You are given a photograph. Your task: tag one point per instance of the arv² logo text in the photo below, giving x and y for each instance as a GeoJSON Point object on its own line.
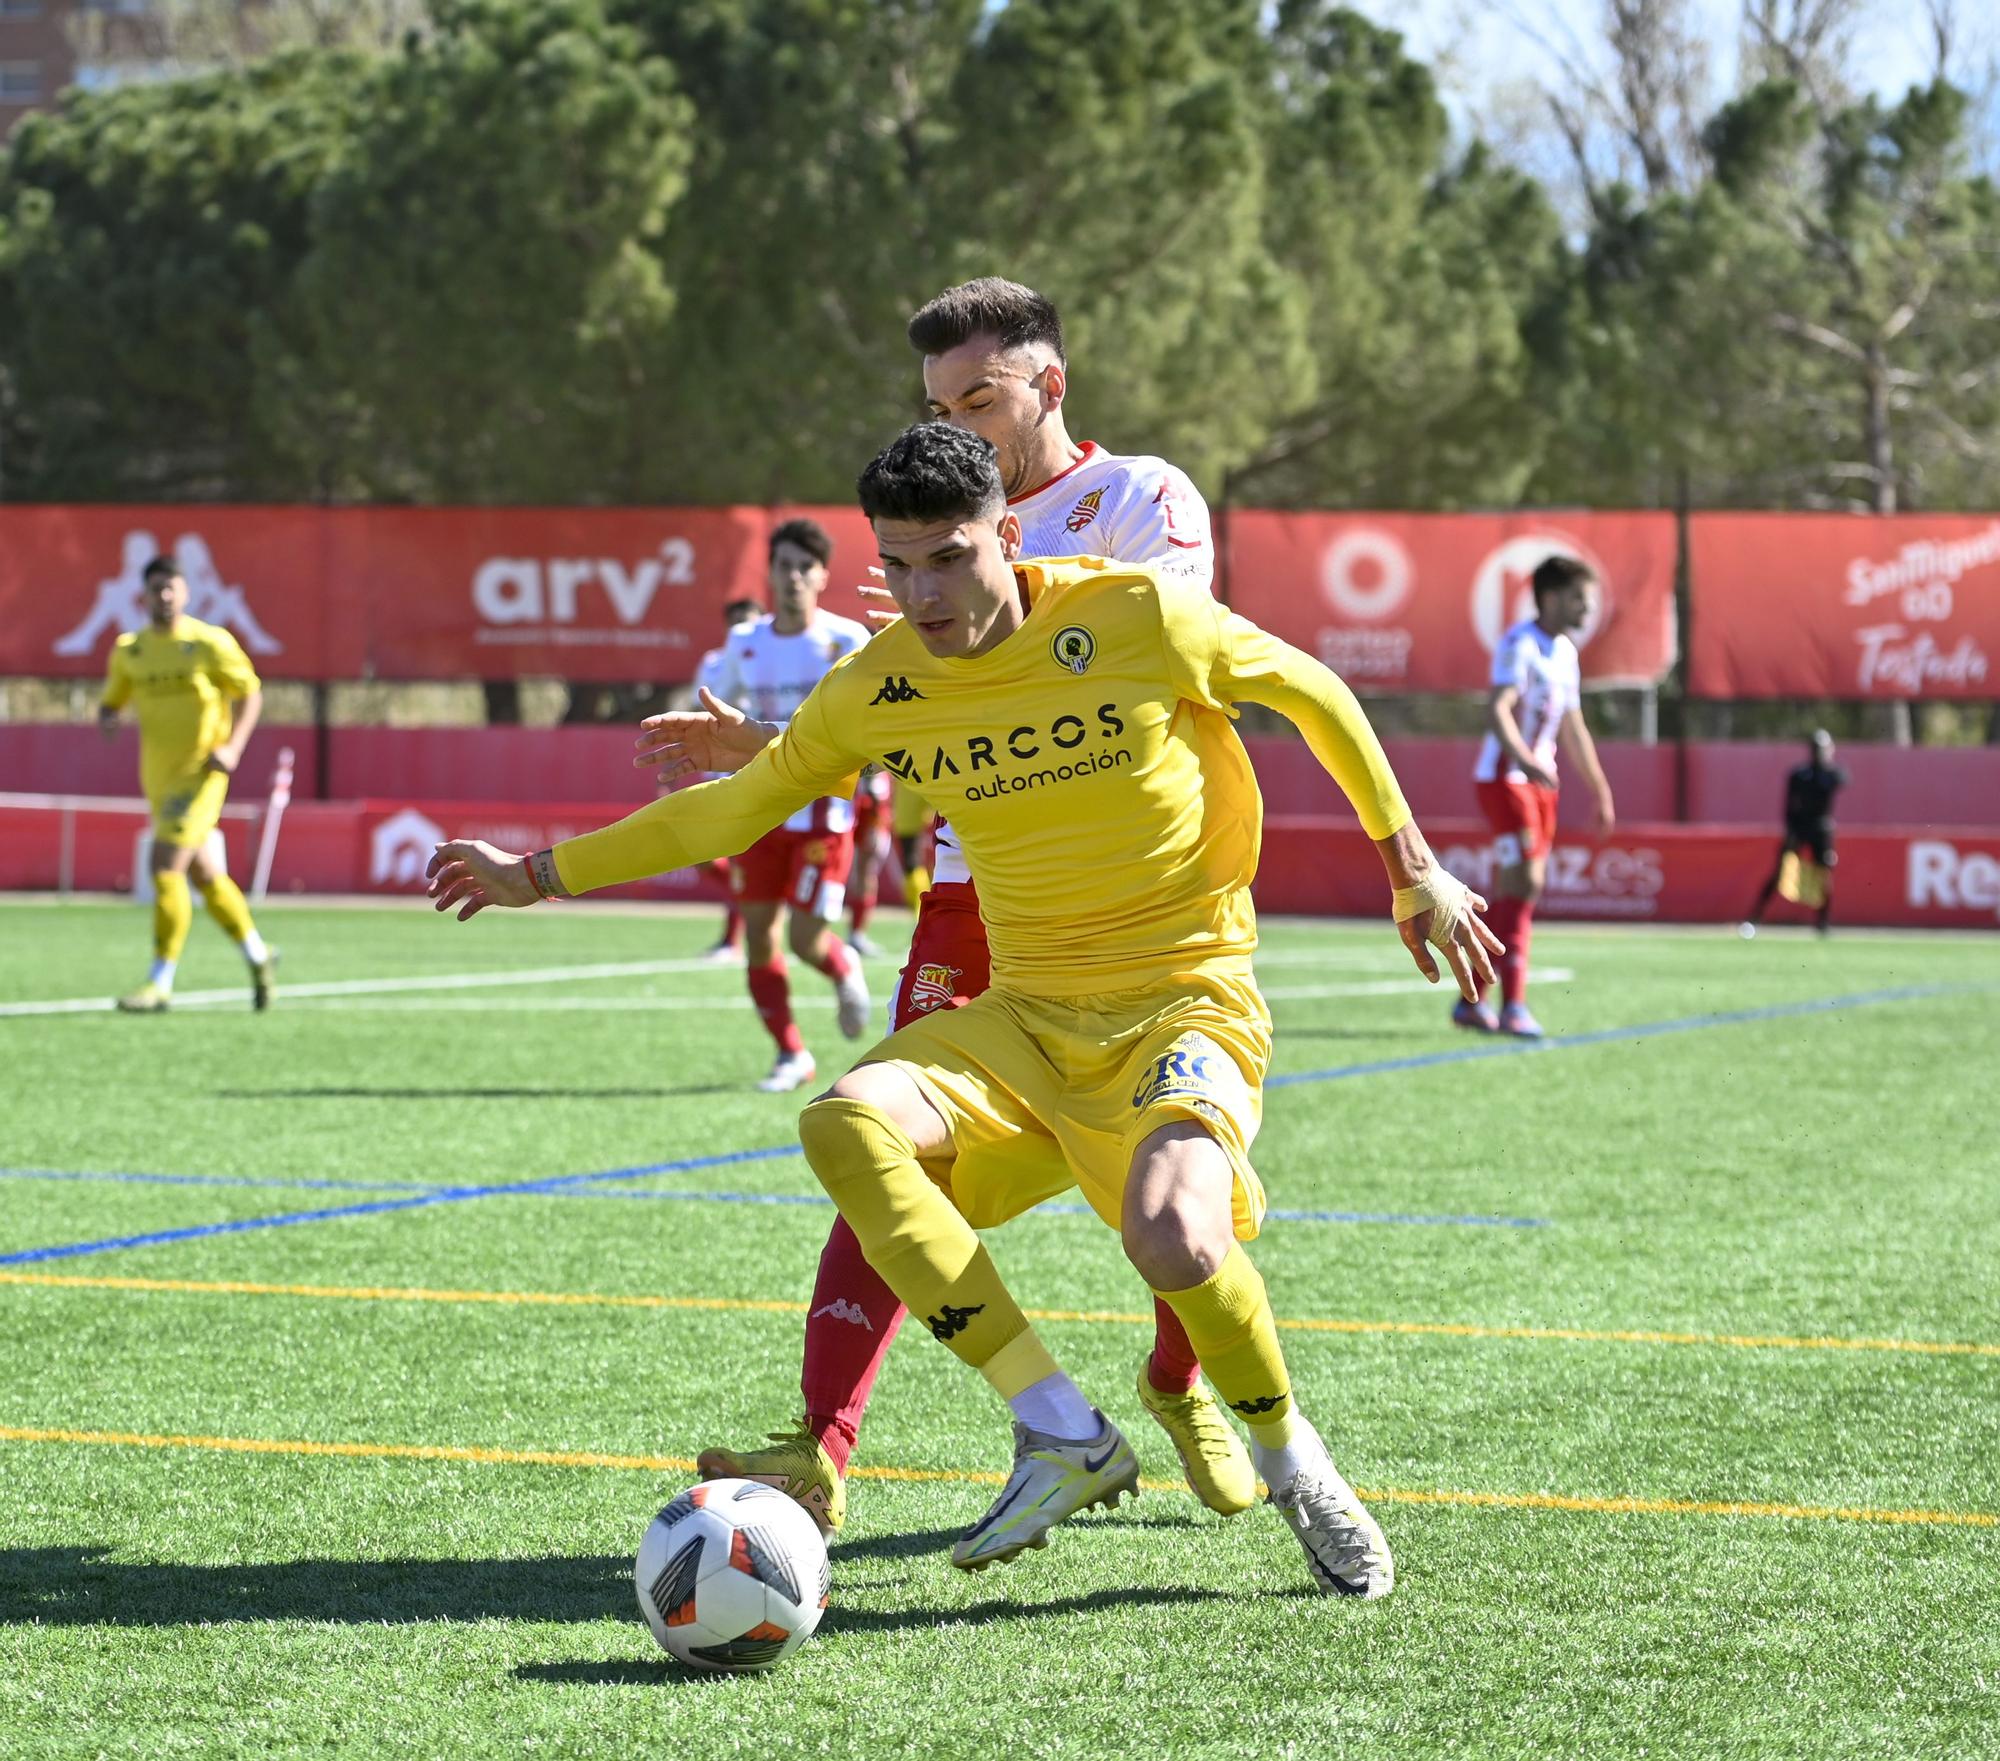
{"type": "Point", "coordinates": [532, 590]}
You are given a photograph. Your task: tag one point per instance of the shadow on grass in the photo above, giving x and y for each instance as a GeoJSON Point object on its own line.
{"type": "Point", "coordinates": [472, 1094]}
{"type": "Point", "coordinates": [84, 1586]}
{"type": "Point", "coordinates": [80, 1586]}
{"type": "Point", "coordinates": [840, 1619]}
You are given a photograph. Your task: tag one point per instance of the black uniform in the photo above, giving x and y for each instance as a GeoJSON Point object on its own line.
{"type": "Point", "coordinates": [1809, 793]}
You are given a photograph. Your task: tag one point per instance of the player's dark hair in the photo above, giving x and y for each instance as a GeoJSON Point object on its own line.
{"type": "Point", "coordinates": [160, 568]}
{"type": "Point", "coordinates": [1553, 573]}
{"type": "Point", "coordinates": [930, 473]}
{"type": "Point", "coordinates": [736, 610]}
{"type": "Point", "coordinates": [809, 535]}
{"type": "Point", "coordinates": [1005, 310]}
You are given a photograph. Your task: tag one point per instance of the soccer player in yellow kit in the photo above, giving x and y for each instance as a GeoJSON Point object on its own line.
{"type": "Point", "coordinates": [197, 698]}
{"type": "Point", "coordinates": [1075, 719]}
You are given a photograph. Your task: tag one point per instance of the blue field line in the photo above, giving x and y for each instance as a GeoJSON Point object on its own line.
{"type": "Point", "coordinates": [564, 1187]}
{"type": "Point", "coordinates": [561, 1184]}
{"type": "Point", "coordinates": [441, 1195]}
{"type": "Point", "coordinates": [1556, 1042]}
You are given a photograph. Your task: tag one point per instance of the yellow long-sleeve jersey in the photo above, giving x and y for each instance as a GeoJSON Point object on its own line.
{"type": "Point", "coordinates": [1088, 764]}
{"type": "Point", "coordinates": [181, 682]}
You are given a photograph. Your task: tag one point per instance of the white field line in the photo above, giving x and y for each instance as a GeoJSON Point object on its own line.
{"type": "Point", "coordinates": [811, 998]}
{"type": "Point", "coordinates": [331, 990]}
{"type": "Point", "coordinates": [365, 987]}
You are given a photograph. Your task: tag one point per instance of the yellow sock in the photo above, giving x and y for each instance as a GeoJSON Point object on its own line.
{"type": "Point", "coordinates": [226, 904]}
{"type": "Point", "coordinates": [917, 883]}
{"type": "Point", "coordinates": [173, 914]}
{"type": "Point", "coordinates": [914, 1237]}
{"type": "Point", "coordinates": [1229, 1323]}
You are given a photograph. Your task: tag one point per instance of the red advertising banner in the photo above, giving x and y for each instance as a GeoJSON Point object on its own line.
{"type": "Point", "coordinates": [1844, 605]}
{"type": "Point", "coordinates": [1418, 602]}
{"type": "Point", "coordinates": [605, 595]}
{"type": "Point", "coordinates": [1650, 874]}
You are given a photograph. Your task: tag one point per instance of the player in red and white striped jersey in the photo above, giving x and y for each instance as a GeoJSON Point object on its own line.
{"type": "Point", "coordinates": [1536, 703]}
{"type": "Point", "coordinates": [769, 664]}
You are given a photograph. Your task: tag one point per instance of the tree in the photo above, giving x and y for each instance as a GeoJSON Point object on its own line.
{"type": "Point", "coordinates": [483, 293]}
{"type": "Point", "coordinates": [147, 236]}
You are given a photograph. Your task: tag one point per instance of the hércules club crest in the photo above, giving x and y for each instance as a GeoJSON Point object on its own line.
{"type": "Point", "coordinates": [931, 987]}
{"type": "Point", "coordinates": [1084, 512]}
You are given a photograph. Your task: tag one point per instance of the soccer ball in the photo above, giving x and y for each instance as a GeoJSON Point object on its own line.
{"type": "Point", "coordinates": [732, 1576]}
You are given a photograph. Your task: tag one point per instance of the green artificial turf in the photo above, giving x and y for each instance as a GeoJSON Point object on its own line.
{"type": "Point", "coordinates": [1768, 1170]}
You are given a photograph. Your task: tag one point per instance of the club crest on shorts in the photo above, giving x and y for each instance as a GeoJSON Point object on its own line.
{"type": "Point", "coordinates": [1074, 647]}
{"type": "Point", "coordinates": [1194, 1069]}
{"type": "Point", "coordinates": [931, 986]}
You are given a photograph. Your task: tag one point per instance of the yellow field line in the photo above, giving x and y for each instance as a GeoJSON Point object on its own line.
{"type": "Point", "coordinates": [587, 1299]}
{"type": "Point", "coordinates": [675, 1464]}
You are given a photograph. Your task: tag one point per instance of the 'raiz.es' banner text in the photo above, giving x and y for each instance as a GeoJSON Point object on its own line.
{"type": "Point", "coordinates": [1844, 605]}
{"type": "Point", "coordinates": [1418, 602]}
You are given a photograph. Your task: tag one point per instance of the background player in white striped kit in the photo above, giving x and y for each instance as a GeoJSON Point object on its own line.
{"type": "Point", "coordinates": [994, 363]}
{"type": "Point", "coordinates": [770, 663]}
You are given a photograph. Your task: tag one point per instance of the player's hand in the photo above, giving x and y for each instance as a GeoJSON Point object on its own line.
{"type": "Point", "coordinates": [883, 612]}
{"type": "Point", "coordinates": [1446, 918]}
{"type": "Point", "coordinates": [224, 760]}
{"type": "Point", "coordinates": [472, 875]}
{"type": "Point", "coordinates": [718, 736]}
{"type": "Point", "coordinates": [1538, 773]}
{"type": "Point", "coordinates": [1607, 816]}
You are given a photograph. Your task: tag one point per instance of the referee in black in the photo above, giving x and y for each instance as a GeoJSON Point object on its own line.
{"type": "Point", "coordinates": [1809, 792]}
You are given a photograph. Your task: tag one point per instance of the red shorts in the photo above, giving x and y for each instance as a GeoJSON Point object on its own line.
{"type": "Point", "coordinates": [871, 803]}
{"type": "Point", "coordinates": [1524, 814]}
{"type": "Point", "coordinates": [949, 962]}
{"type": "Point", "coordinates": [805, 870]}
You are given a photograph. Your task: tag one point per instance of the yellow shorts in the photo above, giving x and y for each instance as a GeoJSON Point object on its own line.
{"type": "Point", "coordinates": [1042, 1094]}
{"type": "Point", "coordinates": [189, 810]}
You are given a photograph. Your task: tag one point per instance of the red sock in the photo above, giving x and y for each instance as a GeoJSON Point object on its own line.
{"type": "Point", "coordinates": [864, 908]}
{"type": "Point", "coordinates": [1513, 922]}
{"type": "Point", "coordinates": [1173, 1366]}
{"type": "Point", "coordinates": [832, 957]}
{"type": "Point", "coordinates": [853, 1317]}
{"type": "Point", "coordinates": [772, 993]}
{"type": "Point", "coordinates": [732, 928]}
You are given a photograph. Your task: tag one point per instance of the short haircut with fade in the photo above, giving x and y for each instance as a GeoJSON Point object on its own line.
{"type": "Point", "coordinates": [1013, 315]}
{"type": "Point", "coordinates": [1554, 573]}
{"type": "Point", "coordinates": [931, 473]}
{"type": "Point", "coordinates": [809, 535]}
{"type": "Point", "coordinates": [740, 610]}
{"type": "Point", "coordinates": [161, 568]}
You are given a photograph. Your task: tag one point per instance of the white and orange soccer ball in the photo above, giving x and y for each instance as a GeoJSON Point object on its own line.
{"type": "Point", "coordinates": [732, 1576]}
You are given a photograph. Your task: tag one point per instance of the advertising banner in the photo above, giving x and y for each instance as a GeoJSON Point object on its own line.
{"type": "Point", "coordinates": [599, 595]}
{"type": "Point", "coordinates": [1418, 602]}
{"type": "Point", "coordinates": [1844, 605]}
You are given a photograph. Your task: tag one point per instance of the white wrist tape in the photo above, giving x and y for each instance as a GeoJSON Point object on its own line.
{"type": "Point", "coordinates": [1442, 896]}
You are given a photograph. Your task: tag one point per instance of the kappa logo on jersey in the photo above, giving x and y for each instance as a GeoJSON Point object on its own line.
{"type": "Point", "coordinates": [1074, 647]}
{"type": "Point", "coordinates": [953, 1321]}
{"type": "Point", "coordinates": [932, 986]}
{"type": "Point", "coordinates": [1084, 512]}
{"type": "Point", "coordinates": [895, 689]}
{"type": "Point", "coordinates": [121, 601]}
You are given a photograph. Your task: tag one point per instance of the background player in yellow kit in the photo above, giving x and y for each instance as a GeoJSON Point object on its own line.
{"type": "Point", "coordinates": [197, 698]}
{"type": "Point", "coordinates": [1085, 707]}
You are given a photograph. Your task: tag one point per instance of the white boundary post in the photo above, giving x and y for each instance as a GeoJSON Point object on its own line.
{"type": "Point", "coordinates": [274, 813]}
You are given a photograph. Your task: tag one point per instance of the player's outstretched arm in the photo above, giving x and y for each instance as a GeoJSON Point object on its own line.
{"type": "Point", "coordinates": [472, 874]}
{"type": "Point", "coordinates": [716, 737]}
{"type": "Point", "coordinates": [1434, 909]}
{"type": "Point", "coordinates": [1246, 664]}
